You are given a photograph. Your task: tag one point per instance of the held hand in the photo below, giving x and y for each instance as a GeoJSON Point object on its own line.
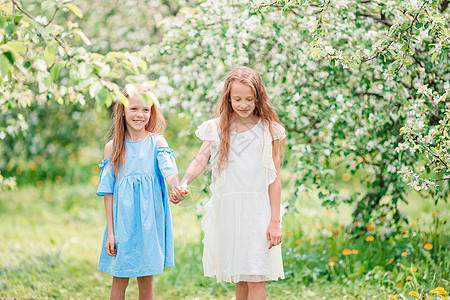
{"type": "Point", "coordinates": [110, 245]}
{"type": "Point", "coordinates": [178, 194]}
{"type": "Point", "coordinates": [274, 235]}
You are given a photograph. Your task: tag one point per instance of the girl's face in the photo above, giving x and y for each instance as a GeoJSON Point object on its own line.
{"type": "Point", "coordinates": [137, 114]}
{"type": "Point", "coordinates": [242, 100]}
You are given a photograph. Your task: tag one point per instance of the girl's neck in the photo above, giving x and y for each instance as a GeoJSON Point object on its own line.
{"type": "Point", "coordinates": [253, 119]}
{"type": "Point", "coordinates": [134, 136]}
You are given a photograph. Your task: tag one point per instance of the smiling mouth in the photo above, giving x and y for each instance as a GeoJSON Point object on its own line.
{"type": "Point", "coordinates": [139, 121]}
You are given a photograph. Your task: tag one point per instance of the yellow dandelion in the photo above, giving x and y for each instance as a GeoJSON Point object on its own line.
{"type": "Point", "coordinates": [334, 258]}
{"type": "Point", "coordinates": [392, 297]}
{"type": "Point", "coordinates": [399, 284]}
{"type": "Point", "coordinates": [408, 277]}
{"type": "Point", "coordinates": [404, 230]}
{"type": "Point", "coordinates": [444, 298]}
{"type": "Point", "coordinates": [414, 269]}
{"type": "Point", "coordinates": [382, 218]}
{"type": "Point", "coordinates": [414, 293]}
{"type": "Point", "coordinates": [428, 246]}
{"type": "Point", "coordinates": [328, 212]}
{"type": "Point", "coordinates": [433, 214]}
{"type": "Point", "coordinates": [370, 238]}
{"type": "Point", "coordinates": [331, 264]}
{"type": "Point", "coordinates": [298, 241]}
{"type": "Point", "coordinates": [390, 261]}
{"type": "Point", "coordinates": [430, 297]}
{"type": "Point", "coordinates": [354, 251]}
{"type": "Point", "coordinates": [356, 223]}
{"type": "Point", "coordinates": [288, 233]}
{"type": "Point", "coordinates": [347, 252]}
{"type": "Point", "coordinates": [404, 254]}
{"type": "Point", "coordinates": [309, 239]}
{"type": "Point", "coordinates": [442, 292]}
{"type": "Point", "coordinates": [438, 211]}
{"type": "Point", "coordinates": [434, 291]}
{"type": "Point", "coordinates": [413, 223]}
{"type": "Point", "coordinates": [417, 219]}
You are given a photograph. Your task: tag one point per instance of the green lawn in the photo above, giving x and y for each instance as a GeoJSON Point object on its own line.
{"type": "Point", "coordinates": [50, 241]}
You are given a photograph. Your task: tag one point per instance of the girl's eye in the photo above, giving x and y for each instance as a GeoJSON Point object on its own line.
{"type": "Point", "coordinates": [146, 110]}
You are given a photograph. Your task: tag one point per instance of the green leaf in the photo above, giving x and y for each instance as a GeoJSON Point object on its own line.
{"type": "Point", "coordinates": [94, 88]}
{"type": "Point", "coordinates": [45, 5]}
{"type": "Point", "coordinates": [5, 65]}
{"type": "Point", "coordinates": [102, 95]}
{"type": "Point", "coordinates": [75, 9]}
{"type": "Point", "coordinates": [77, 32]}
{"type": "Point", "coordinates": [44, 81]}
{"type": "Point", "coordinates": [333, 62]}
{"type": "Point", "coordinates": [120, 96]}
{"type": "Point", "coordinates": [143, 65]}
{"type": "Point", "coordinates": [316, 53]}
{"type": "Point", "coordinates": [50, 55]}
{"type": "Point", "coordinates": [84, 70]}
{"type": "Point", "coordinates": [55, 70]}
{"type": "Point", "coordinates": [52, 30]}
{"type": "Point", "coordinates": [433, 57]}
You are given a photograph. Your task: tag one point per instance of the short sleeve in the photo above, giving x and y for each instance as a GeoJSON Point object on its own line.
{"type": "Point", "coordinates": [279, 132]}
{"type": "Point", "coordinates": [107, 178]}
{"type": "Point", "coordinates": [208, 131]}
{"type": "Point", "coordinates": [166, 161]}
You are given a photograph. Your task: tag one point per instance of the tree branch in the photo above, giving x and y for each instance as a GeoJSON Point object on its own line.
{"type": "Point", "coordinates": [445, 178]}
{"type": "Point", "coordinates": [415, 18]}
{"type": "Point", "coordinates": [379, 53]}
{"type": "Point", "coordinates": [25, 13]}
{"type": "Point", "coordinates": [381, 19]}
{"type": "Point", "coordinates": [444, 5]}
{"type": "Point", "coordinates": [53, 17]}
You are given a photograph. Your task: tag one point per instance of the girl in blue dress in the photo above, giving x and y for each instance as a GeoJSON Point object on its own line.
{"type": "Point", "coordinates": [138, 237]}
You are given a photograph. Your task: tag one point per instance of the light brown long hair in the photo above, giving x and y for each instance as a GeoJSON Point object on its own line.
{"type": "Point", "coordinates": [156, 124]}
{"type": "Point", "coordinates": [224, 109]}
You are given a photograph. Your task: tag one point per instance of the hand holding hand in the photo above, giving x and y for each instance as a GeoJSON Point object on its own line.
{"type": "Point", "coordinates": [178, 194]}
{"type": "Point", "coordinates": [274, 234]}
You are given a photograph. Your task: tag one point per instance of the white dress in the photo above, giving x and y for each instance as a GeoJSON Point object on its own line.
{"type": "Point", "coordinates": [238, 213]}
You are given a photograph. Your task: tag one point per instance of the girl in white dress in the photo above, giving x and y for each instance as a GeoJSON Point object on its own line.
{"type": "Point", "coordinates": [242, 223]}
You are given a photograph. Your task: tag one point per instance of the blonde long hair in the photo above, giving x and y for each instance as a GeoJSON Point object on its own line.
{"type": "Point", "coordinates": [224, 109]}
{"type": "Point", "coordinates": [156, 124]}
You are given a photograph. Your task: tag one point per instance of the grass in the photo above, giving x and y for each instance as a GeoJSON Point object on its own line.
{"type": "Point", "coordinates": [50, 241]}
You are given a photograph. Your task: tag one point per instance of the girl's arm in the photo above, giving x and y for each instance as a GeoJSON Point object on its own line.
{"type": "Point", "coordinates": [274, 234]}
{"type": "Point", "coordinates": [197, 165]}
{"type": "Point", "coordinates": [108, 200]}
{"type": "Point", "coordinates": [173, 181]}
{"type": "Point", "coordinates": [110, 241]}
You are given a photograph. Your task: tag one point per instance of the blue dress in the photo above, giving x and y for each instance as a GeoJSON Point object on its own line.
{"type": "Point", "coordinates": [142, 220]}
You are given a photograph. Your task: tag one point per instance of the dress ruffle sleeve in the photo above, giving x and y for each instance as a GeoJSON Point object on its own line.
{"type": "Point", "coordinates": [166, 161]}
{"type": "Point", "coordinates": [107, 178]}
{"type": "Point", "coordinates": [208, 131]}
{"type": "Point", "coordinates": [279, 132]}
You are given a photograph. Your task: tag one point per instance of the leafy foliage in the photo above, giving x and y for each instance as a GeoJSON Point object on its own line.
{"type": "Point", "coordinates": [361, 86]}
{"type": "Point", "coordinates": [346, 78]}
